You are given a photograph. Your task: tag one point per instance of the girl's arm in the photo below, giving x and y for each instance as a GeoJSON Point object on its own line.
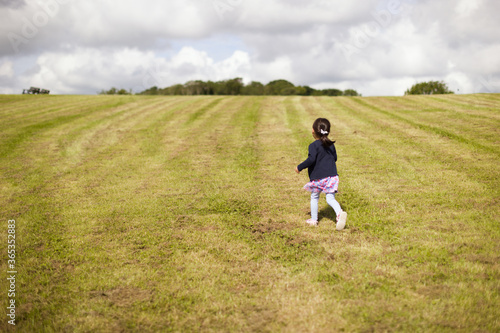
{"type": "Point", "coordinates": [311, 159]}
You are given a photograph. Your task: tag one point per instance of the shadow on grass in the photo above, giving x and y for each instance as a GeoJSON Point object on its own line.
{"type": "Point", "coordinates": [325, 215]}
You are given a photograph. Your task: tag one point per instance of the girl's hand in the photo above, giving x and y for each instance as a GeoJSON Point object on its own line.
{"type": "Point", "coordinates": [297, 170]}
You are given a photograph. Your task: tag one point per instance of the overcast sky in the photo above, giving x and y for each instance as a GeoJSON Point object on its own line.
{"type": "Point", "coordinates": [377, 47]}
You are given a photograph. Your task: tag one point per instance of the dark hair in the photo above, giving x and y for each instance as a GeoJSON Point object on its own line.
{"type": "Point", "coordinates": [321, 128]}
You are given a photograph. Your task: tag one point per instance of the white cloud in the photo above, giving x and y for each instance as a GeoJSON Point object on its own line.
{"type": "Point", "coordinates": [192, 57]}
{"type": "Point", "coordinates": [7, 69]}
{"type": "Point", "coordinates": [280, 68]}
{"type": "Point", "coordinates": [83, 47]}
{"type": "Point", "coordinates": [466, 8]}
{"type": "Point", "coordinates": [238, 63]}
{"type": "Point", "coordinates": [88, 70]}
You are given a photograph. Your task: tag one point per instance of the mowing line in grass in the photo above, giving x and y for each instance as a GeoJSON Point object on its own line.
{"type": "Point", "coordinates": [444, 151]}
{"type": "Point", "coordinates": [433, 129]}
{"type": "Point", "coordinates": [474, 236]}
{"type": "Point", "coordinates": [185, 214]}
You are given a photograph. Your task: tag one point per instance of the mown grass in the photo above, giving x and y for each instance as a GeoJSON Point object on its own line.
{"type": "Point", "coordinates": [185, 214]}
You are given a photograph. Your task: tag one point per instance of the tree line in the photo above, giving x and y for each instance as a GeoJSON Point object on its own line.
{"type": "Point", "coordinates": [276, 87]}
{"type": "Point", "coordinates": [114, 91]}
{"type": "Point", "coordinates": [429, 88]}
{"type": "Point", "coordinates": [237, 87]}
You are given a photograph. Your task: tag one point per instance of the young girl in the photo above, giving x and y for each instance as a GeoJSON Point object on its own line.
{"type": "Point", "coordinates": [322, 172]}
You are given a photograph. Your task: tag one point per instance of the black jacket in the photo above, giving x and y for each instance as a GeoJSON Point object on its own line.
{"type": "Point", "coordinates": [321, 161]}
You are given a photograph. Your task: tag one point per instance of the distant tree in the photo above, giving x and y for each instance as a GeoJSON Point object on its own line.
{"type": "Point", "coordinates": [429, 88]}
{"type": "Point", "coordinates": [304, 91]}
{"type": "Point", "coordinates": [176, 89]}
{"type": "Point", "coordinates": [111, 91]}
{"type": "Point", "coordinates": [288, 91]}
{"type": "Point", "coordinates": [350, 92]}
{"type": "Point", "coordinates": [253, 88]}
{"type": "Point", "coordinates": [332, 92]}
{"type": "Point", "coordinates": [278, 87]}
{"type": "Point", "coordinates": [151, 91]}
{"type": "Point", "coordinates": [197, 87]}
{"type": "Point", "coordinates": [123, 92]}
{"type": "Point", "coordinates": [114, 91]}
{"type": "Point", "coordinates": [299, 90]}
{"type": "Point", "coordinates": [219, 88]}
{"type": "Point", "coordinates": [210, 89]}
{"type": "Point", "coordinates": [236, 87]}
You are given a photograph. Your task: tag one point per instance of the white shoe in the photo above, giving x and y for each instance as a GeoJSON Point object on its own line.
{"type": "Point", "coordinates": [341, 220]}
{"type": "Point", "coordinates": [312, 222]}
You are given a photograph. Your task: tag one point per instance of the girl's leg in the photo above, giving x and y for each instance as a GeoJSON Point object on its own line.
{"type": "Point", "coordinates": [330, 199]}
{"type": "Point", "coordinates": [341, 215]}
{"type": "Point", "coordinates": [314, 206]}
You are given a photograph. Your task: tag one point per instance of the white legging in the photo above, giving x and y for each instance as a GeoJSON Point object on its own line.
{"type": "Point", "coordinates": [330, 199]}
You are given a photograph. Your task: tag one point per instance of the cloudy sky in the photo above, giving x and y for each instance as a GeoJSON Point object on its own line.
{"type": "Point", "coordinates": [377, 47]}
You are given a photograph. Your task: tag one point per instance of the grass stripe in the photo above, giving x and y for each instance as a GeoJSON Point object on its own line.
{"type": "Point", "coordinates": [37, 111]}
{"type": "Point", "coordinates": [198, 113]}
{"type": "Point", "coordinates": [439, 150]}
{"type": "Point", "coordinates": [434, 129]}
{"type": "Point", "coordinates": [26, 132]}
{"type": "Point", "coordinates": [185, 214]}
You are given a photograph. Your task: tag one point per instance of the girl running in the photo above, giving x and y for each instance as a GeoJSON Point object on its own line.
{"type": "Point", "coordinates": [322, 169]}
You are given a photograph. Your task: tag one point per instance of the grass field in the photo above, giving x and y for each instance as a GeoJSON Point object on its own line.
{"type": "Point", "coordinates": [144, 214]}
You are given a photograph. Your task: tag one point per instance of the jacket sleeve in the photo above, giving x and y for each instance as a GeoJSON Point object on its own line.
{"type": "Point", "coordinates": [311, 159]}
{"type": "Point", "coordinates": [334, 152]}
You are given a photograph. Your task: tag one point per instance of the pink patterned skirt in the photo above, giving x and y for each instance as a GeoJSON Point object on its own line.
{"type": "Point", "coordinates": [326, 185]}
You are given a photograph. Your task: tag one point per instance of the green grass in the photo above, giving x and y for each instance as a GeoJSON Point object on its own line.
{"type": "Point", "coordinates": [139, 213]}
